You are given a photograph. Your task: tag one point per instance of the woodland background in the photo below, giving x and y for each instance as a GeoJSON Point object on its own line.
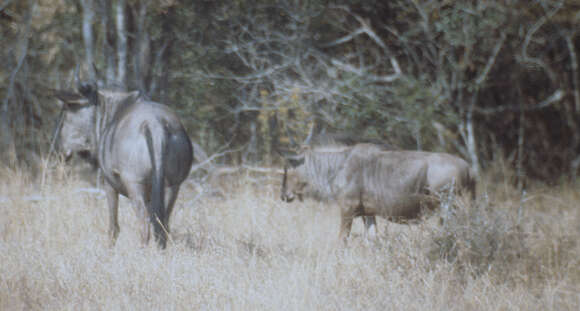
{"type": "Point", "coordinates": [494, 79]}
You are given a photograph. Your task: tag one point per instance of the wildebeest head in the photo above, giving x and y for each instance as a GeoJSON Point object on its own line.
{"type": "Point", "coordinates": [84, 115]}
{"type": "Point", "coordinates": [75, 135]}
{"type": "Point", "coordinates": [293, 185]}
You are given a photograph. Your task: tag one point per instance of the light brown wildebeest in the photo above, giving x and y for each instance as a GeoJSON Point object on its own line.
{"type": "Point", "coordinates": [365, 180]}
{"type": "Point", "coordinates": [140, 146]}
{"type": "Point", "coordinates": [337, 139]}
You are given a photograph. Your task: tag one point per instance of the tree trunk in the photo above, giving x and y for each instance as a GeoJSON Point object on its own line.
{"type": "Point", "coordinates": [470, 133]}
{"type": "Point", "coordinates": [121, 43]}
{"type": "Point", "coordinates": [520, 174]}
{"type": "Point", "coordinates": [11, 103]}
{"type": "Point", "coordinates": [88, 19]}
{"type": "Point", "coordinates": [165, 57]}
{"type": "Point", "coordinates": [107, 48]}
{"type": "Point", "coordinates": [141, 61]}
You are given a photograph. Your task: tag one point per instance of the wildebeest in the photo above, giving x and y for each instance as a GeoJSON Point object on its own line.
{"type": "Point", "coordinates": [365, 180]}
{"type": "Point", "coordinates": [337, 139]}
{"type": "Point", "coordinates": [141, 148]}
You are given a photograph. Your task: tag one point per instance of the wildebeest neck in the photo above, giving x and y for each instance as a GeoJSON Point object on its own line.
{"type": "Point", "coordinates": [320, 168]}
{"type": "Point", "coordinates": [112, 105]}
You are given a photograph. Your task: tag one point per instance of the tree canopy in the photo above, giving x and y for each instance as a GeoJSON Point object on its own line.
{"type": "Point", "coordinates": [483, 79]}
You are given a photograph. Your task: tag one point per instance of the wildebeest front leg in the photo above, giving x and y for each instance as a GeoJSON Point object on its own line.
{"type": "Point", "coordinates": [346, 218]}
{"type": "Point", "coordinates": [113, 202]}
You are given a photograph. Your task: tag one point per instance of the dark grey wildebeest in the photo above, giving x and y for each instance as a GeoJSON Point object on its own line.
{"type": "Point", "coordinates": [365, 180]}
{"type": "Point", "coordinates": [141, 148]}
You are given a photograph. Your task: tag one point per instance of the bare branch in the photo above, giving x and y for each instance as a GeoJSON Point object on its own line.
{"type": "Point", "coordinates": [213, 157]}
{"type": "Point", "coordinates": [367, 29]}
{"type": "Point", "coordinates": [264, 170]}
{"type": "Point", "coordinates": [344, 39]}
{"type": "Point", "coordinates": [534, 60]}
{"type": "Point", "coordinates": [491, 61]}
{"type": "Point", "coordinates": [425, 19]}
{"type": "Point", "coordinates": [555, 97]}
{"type": "Point", "coordinates": [364, 72]}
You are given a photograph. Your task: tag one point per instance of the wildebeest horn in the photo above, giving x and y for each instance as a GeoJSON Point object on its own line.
{"type": "Point", "coordinates": [70, 98]}
{"type": "Point", "coordinates": [295, 161]}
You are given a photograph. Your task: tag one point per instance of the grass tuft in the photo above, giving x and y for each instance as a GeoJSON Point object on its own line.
{"type": "Point", "coordinates": [244, 249]}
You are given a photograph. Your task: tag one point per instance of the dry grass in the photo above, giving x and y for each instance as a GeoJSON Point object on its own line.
{"type": "Point", "coordinates": [249, 251]}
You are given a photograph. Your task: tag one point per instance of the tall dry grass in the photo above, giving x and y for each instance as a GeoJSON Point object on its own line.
{"type": "Point", "coordinates": [246, 250]}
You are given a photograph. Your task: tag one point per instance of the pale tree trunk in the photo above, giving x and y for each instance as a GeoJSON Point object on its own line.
{"type": "Point", "coordinates": [11, 102]}
{"type": "Point", "coordinates": [467, 130]}
{"type": "Point", "coordinates": [121, 43]}
{"type": "Point", "coordinates": [520, 174]}
{"type": "Point", "coordinates": [471, 143]}
{"type": "Point", "coordinates": [88, 19]}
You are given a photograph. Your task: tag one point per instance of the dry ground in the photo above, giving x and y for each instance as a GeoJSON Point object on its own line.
{"type": "Point", "coordinates": [246, 250]}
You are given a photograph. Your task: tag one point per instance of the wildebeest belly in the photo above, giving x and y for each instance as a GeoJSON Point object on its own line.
{"type": "Point", "coordinates": [391, 188]}
{"type": "Point", "coordinates": [406, 206]}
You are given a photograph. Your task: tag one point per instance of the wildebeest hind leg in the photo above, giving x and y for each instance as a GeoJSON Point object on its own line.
{"type": "Point", "coordinates": [370, 223]}
{"type": "Point", "coordinates": [113, 202]}
{"type": "Point", "coordinates": [170, 198]}
{"type": "Point", "coordinates": [137, 194]}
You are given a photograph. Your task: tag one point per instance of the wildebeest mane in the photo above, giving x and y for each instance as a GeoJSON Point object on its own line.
{"type": "Point", "coordinates": [344, 139]}
{"type": "Point", "coordinates": [320, 168]}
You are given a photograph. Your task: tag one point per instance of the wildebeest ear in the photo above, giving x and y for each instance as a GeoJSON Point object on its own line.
{"type": "Point", "coordinates": [71, 99]}
{"type": "Point", "coordinates": [132, 96]}
{"type": "Point", "coordinates": [127, 97]}
{"type": "Point", "coordinates": [295, 161]}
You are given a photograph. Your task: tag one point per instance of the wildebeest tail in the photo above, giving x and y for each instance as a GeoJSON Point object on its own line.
{"type": "Point", "coordinates": [157, 152]}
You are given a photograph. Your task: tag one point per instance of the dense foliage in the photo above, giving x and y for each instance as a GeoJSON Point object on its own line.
{"type": "Point", "coordinates": [484, 79]}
